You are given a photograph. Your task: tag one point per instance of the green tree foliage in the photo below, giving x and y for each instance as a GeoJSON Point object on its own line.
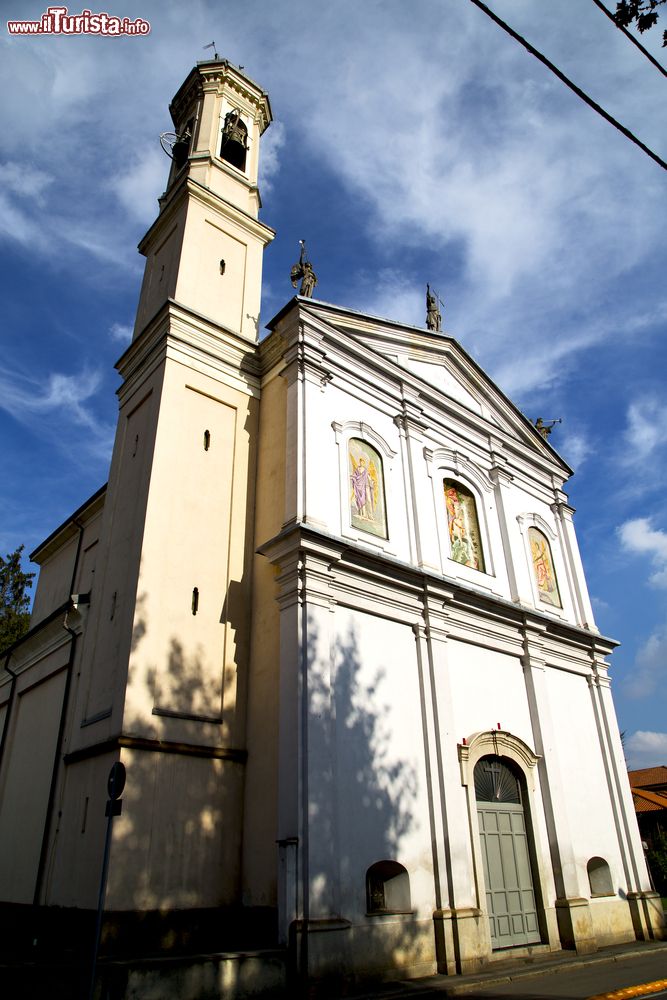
{"type": "Point", "coordinates": [657, 862]}
{"type": "Point", "coordinates": [643, 13]}
{"type": "Point", "coordinates": [14, 599]}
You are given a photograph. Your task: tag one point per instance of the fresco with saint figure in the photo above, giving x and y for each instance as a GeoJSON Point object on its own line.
{"type": "Point", "coordinates": [465, 543]}
{"type": "Point", "coordinates": [367, 508]}
{"type": "Point", "coordinates": [545, 575]}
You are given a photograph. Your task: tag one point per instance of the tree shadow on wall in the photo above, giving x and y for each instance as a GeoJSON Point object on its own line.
{"type": "Point", "coordinates": [362, 799]}
{"type": "Point", "coordinates": [174, 877]}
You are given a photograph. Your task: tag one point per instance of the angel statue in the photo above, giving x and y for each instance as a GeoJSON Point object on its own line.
{"type": "Point", "coordinates": [304, 271]}
{"type": "Point", "coordinates": [433, 317]}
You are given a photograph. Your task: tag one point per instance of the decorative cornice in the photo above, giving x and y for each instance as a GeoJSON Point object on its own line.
{"type": "Point", "coordinates": [116, 743]}
{"type": "Point", "coordinates": [184, 335]}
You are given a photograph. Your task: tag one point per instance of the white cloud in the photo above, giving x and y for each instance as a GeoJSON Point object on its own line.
{"type": "Point", "coordinates": [24, 180]}
{"type": "Point", "coordinates": [120, 332]}
{"type": "Point", "coordinates": [649, 671]}
{"type": "Point", "coordinates": [646, 749]}
{"type": "Point", "coordinates": [272, 143]}
{"type": "Point", "coordinates": [575, 447]}
{"type": "Point", "coordinates": [390, 294]}
{"type": "Point", "coordinates": [639, 536]}
{"type": "Point", "coordinates": [32, 401]}
{"type": "Point", "coordinates": [647, 428]}
{"type": "Point", "coordinates": [139, 187]}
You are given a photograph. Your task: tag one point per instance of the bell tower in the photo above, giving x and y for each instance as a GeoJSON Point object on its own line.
{"type": "Point", "coordinates": [166, 647]}
{"type": "Point", "coordinates": [205, 248]}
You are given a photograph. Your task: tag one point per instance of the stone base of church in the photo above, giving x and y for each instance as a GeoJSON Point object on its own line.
{"type": "Point", "coordinates": [463, 941]}
{"type": "Point", "coordinates": [40, 933]}
{"type": "Point", "coordinates": [334, 953]}
{"type": "Point", "coordinates": [586, 925]}
{"type": "Point", "coordinates": [648, 917]}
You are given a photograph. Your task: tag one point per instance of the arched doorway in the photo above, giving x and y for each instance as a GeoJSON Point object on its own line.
{"type": "Point", "coordinates": [508, 876]}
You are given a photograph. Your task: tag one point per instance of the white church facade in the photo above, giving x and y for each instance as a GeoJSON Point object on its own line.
{"type": "Point", "coordinates": [330, 614]}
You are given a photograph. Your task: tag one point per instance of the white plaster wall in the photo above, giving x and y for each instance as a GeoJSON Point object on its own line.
{"type": "Point", "coordinates": [586, 798]}
{"type": "Point", "coordinates": [487, 688]}
{"type": "Point", "coordinates": [381, 790]}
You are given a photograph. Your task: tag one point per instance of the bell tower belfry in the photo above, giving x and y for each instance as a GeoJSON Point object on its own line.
{"type": "Point", "coordinates": [205, 248]}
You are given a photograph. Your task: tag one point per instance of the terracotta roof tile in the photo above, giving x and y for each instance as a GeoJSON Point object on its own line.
{"type": "Point", "coordinates": [645, 777]}
{"type": "Point", "coordinates": [646, 801]}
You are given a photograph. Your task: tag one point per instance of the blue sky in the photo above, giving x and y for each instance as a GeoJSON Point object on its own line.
{"type": "Point", "coordinates": [412, 143]}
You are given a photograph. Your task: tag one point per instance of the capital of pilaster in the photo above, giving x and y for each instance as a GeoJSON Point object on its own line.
{"type": "Point", "coordinates": [500, 476]}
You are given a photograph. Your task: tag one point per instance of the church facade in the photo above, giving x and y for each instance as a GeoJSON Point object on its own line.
{"type": "Point", "coordinates": [330, 614]}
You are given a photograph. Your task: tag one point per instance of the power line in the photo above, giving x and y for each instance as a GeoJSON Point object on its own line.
{"type": "Point", "coordinates": [628, 34]}
{"type": "Point", "coordinates": [569, 83]}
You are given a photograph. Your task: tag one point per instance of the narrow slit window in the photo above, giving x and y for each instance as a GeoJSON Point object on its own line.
{"type": "Point", "coordinates": [207, 440]}
{"type": "Point", "coordinates": [195, 600]}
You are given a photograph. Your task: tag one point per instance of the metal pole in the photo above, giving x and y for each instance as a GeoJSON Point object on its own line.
{"type": "Point", "coordinates": [115, 786]}
{"type": "Point", "coordinates": [100, 904]}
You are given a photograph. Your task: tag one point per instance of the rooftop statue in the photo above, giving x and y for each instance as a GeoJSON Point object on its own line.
{"type": "Point", "coordinates": [304, 271]}
{"type": "Point", "coordinates": [545, 429]}
{"type": "Point", "coordinates": [433, 316]}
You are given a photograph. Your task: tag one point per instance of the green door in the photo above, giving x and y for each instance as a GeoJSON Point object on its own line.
{"type": "Point", "coordinates": [510, 898]}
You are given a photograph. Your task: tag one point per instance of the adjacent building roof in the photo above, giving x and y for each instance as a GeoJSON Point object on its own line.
{"type": "Point", "coordinates": [648, 777]}
{"type": "Point", "coordinates": [648, 801]}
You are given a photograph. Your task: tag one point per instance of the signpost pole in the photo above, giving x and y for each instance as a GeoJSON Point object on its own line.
{"type": "Point", "coordinates": [115, 786]}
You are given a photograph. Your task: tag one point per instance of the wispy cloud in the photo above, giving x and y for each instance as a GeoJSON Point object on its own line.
{"type": "Point", "coordinates": [648, 673]}
{"type": "Point", "coordinates": [391, 294]}
{"type": "Point", "coordinates": [646, 428]}
{"type": "Point", "coordinates": [575, 447]}
{"type": "Point", "coordinates": [639, 536]}
{"type": "Point", "coordinates": [24, 180]}
{"type": "Point", "coordinates": [139, 186]}
{"type": "Point", "coordinates": [120, 333]}
{"type": "Point", "coordinates": [272, 144]}
{"type": "Point", "coordinates": [31, 401]}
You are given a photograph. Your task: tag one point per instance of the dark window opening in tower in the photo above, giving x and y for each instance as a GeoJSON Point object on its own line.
{"type": "Point", "coordinates": [234, 144]}
{"type": "Point", "coordinates": [181, 149]}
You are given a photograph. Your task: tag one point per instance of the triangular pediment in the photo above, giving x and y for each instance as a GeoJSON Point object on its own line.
{"type": "Point", "coordinates": [439, 367]}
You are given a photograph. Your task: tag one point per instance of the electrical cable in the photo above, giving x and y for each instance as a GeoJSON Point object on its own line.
{"type": "Point", "coordinates": [569, 83]}
{"type": "Point", "coordinates": [628, 34]}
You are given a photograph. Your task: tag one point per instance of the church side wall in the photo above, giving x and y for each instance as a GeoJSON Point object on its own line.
{"type": "Point", "coordinates": [55, 578]}
{"type": "Point", "coordinates": [260, 852]}
{"type": "Point", "coordinates": [47, 666]}
{"type": "Point", "coordinates": [26, 777]}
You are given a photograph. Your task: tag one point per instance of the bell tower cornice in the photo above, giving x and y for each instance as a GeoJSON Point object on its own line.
{"type": "Point", "coordinates": [215, 76]}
